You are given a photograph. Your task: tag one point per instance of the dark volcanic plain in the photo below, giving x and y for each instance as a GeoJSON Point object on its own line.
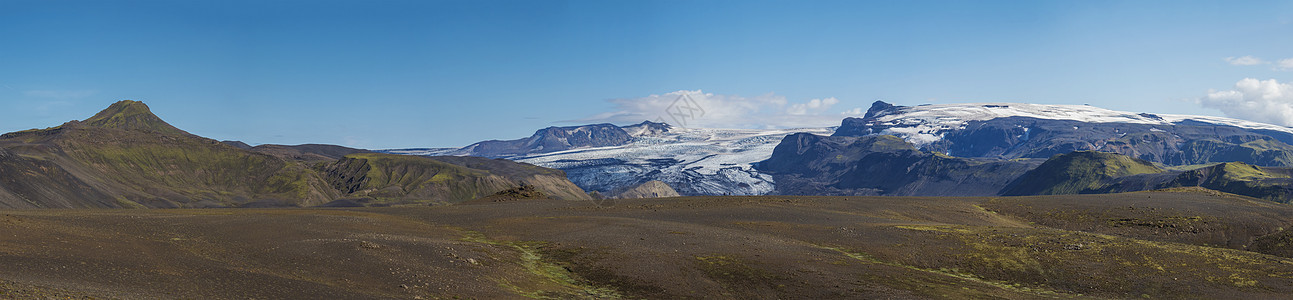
{"type": "Point", "coordinates": [1188, 243]}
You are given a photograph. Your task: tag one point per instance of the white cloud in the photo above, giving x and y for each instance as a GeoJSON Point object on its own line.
{"type": "Point", "coordinates": [815, 106]}
{"type": "Point", "coordinates": [58, 94]}
{"type": "Point", "coordinates": [708, 110]}
{"type": "Point", "coordinates": [1257, 100]}
{"type": "Point", "coordinates": [1247, 60]}
{"type": "Point", "coordinates": [1285, 64]}
{"type": "Point", "coordinates": [856, 111]}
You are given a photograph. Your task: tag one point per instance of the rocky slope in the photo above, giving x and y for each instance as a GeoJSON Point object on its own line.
{"type": "Point", "coordinates": [125, 156]}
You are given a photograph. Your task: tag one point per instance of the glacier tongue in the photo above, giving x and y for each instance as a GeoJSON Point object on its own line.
{"type": "Point", "coordinates": [694, 161]}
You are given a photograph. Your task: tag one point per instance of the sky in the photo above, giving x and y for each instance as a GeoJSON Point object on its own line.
{"type": "Point", "coordinates": [405, 74]}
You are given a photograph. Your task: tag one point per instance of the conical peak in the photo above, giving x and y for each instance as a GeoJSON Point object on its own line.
{"type": "Point", "coordinates": [131, 115]}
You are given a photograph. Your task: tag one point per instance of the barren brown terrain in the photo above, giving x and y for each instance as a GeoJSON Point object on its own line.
{"type": "Point", "coordinates": [1182, 244]}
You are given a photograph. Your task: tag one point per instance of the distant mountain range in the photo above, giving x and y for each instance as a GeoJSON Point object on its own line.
{"type": "Point", "coordinates": [125, 156]}
{"type": "Point", "coordinates": [976, 149]}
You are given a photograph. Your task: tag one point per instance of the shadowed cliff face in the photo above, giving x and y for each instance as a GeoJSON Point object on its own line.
{"type": "Point", "coordinates": [127, 157]}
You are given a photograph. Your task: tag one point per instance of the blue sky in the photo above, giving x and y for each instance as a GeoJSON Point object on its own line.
{"type": "Point", "coordinates": [396, 74]}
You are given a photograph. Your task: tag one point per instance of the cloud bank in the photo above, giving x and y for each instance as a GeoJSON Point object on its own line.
{"type": "Point", "coordinates": [707, 110]}
{"type": "Point", "coordinates": [1247, 60]}
{"type": "Point", "coordinates": [1267, 101]}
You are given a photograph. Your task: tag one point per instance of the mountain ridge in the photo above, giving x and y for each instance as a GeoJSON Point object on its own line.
{"type": "Point", "coordinates": [127, 157]}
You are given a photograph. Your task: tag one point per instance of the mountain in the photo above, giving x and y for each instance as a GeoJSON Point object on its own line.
{"type": "Point", "coordinates": [551, 139]}
{"type": "Point", "coordinates": [1268, 183]}
{"type": "Point", "coordinates": [125, 156]}
{"type": "Point", "coordinates": [1015, 130]}
{"type": "Point", "coordinates": [388, 178]}
{"type": "Point", "coordinates": [808, 164]}
{"type": "Point", "coordinates": [939, 150]}
{"type": "Point", "coordinates": [1080, 172]}
{"type": "Point", "coordinates": [306, 152]}
{"type": "Point", "coordinates": [649, 189]}
{"type": "Point", "coordinates": [548, 140]}
{"type": "Point", "coordinates": [132, 116]}
{"type": "Point", "coordinates": [693, 161]}
{"type": "Point", "coordinates": [1090, 172]}
{"type": "Point", "coordinates": [237, 144]}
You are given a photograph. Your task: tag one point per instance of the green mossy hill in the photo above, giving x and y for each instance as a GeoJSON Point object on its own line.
{"type": "Point", "coordinates": [1076, 173]}
{"type": "Point", "coordinates": [390, 178]}
{"type": "Point", "coordinates": [1239, 178]}
{"type": "Point", "coordinates": [125, 156]}
{"type": "Point", "coordinates": [189, 172]}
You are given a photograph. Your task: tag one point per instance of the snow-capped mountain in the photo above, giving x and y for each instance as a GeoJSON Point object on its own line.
{"type": "Point", "coordinates": [1017, 130]}
{"type": "Point", "coordinates": [694, 161]}
{"type": "Point", "coordinates": [928, 123]}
